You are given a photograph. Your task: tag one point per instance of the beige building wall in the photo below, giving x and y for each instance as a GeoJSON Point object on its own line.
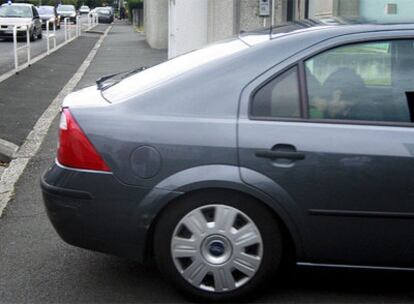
{"type": "Point", "coordinates": [349, 8]}
{"type": "Point", "coordinates": [249, 19]}
{"type": "Point", "coordinates": [156, 23]}
{"type": "Point", "coordinates": [322, 8]}
{"type": "Point", "coordinates": [228, 17]}
{"type": "Point", "coordinates": [198, 22]}
{"type": "Point", "coordinates": [221, 19]}
{"type": "Point", "coordinates": [330, 8]}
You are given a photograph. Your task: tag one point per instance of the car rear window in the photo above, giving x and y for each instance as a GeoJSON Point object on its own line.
{"type": "Point", "coordinates": [163, 72]}
{"type": "Point", "coordinates": [104, 11]}
{"type": "Point", "coordinates": [66, 8]}
{"type": "Point", "coordinates": [44, 10]}
{"type": "Point", "coordinates": [15, 11]}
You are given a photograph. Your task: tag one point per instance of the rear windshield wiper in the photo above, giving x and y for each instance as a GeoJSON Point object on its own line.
{"type": "Point", "coordinates": [101, 81]}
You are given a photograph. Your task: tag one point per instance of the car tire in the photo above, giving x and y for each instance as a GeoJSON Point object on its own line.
{"type": "Point", "coordinates": [215, 265]}
{"type": "Point", "coordinates": [32, 35]}
{"type": "Point", "coordinates": [40, 35]}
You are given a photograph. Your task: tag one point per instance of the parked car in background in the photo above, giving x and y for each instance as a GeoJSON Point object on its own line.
{"type": "Point", "coordinates": [67, 11]}
{"type": "Point", "coordinates": [49, 14]}
{"type": "Point", "coordinates": [20, 15]}
{"type": "Point", "coordinates": [105, 15]}
{"type": "Point", "coordinates": [84, 9]}
{"type": "Point", "coordinates": [228, 163]}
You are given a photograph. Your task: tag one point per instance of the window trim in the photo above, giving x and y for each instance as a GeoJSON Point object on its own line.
{"type": "Point", "coordinates": [303, 90]}
{"type": "Point", "coordinates": [265, 83]}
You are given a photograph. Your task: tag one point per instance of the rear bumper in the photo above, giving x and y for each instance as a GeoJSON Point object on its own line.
{"type": "Point", "coordinates": [105, 19]}
{"type": "Point", "coordinates": [71, 19]}
{"type": "Point", "coordinates": [44, 22]}
{"type": "Point", "coordinates": [95, 211]}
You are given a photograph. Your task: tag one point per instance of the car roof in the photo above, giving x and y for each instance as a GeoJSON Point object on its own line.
{"type": "Point", "coordinates": [331, 27]}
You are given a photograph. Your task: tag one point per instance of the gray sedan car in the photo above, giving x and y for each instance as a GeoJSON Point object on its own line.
{"type": "Point", "coordinates": [224, 165]}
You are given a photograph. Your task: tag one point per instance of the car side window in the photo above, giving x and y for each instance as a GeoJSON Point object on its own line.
{"type": "Point", "coordinates": [35, 13]}
{"type": "Point", "coordinates": [279, 97]}
{"type": "Point", "coordinates": [368, 82]}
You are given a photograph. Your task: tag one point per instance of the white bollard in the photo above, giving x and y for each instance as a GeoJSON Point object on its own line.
{"type": "Point", "coordinates": [16, 49]}
{"type": "Point", "coordinates": [69, 29]}
{"type": "Point", "coordinates": [28, 44]}
{"type": "Point", "coordinates": [78, 26]}
{"type": "Point", "coordinates": [49, 35]}
{"type": "Point", "coordinates": [16, 58]}
{"type": "Point", "coordinates": [54, 34]}
{"type": "Point", "coordinates": [65, 25]}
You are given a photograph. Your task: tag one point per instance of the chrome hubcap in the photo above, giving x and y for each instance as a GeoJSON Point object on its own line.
{"type": "Point", "coordinates": [217, 248]}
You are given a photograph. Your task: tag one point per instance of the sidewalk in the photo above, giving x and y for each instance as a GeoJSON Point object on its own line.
{"type": "Point", "coordinates": [122, 50]}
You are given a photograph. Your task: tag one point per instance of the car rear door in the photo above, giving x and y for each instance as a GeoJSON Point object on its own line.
{"type": "Point", "coordinates": [334, 135]}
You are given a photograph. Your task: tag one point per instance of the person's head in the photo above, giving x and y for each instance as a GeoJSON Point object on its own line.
{"type": "Point", "coordinates": [341, 90]}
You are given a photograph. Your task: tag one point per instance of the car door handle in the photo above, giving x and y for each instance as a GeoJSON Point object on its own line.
{"type": "Point", "coordinates": [295, 155]}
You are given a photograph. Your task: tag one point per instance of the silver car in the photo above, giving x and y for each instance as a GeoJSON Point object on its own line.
{"type": "Point", "coordinates": [84, 9]}
{"type": "Point", "coordinates": [21, 15]}
{"type": "Point", "coordinates": [67, 11]}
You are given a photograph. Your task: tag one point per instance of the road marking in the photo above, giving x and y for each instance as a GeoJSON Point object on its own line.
{"type": "Point", "coordinates": [35, 138]}
{"type": "Point", "coordinates": [9, 74]}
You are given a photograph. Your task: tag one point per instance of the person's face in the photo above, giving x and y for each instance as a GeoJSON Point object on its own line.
{"type": "Point", "coordinates": [338, 106]}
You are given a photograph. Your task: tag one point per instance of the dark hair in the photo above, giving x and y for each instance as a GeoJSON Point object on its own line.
{"type": "Point", "coordinates": [345, 80]}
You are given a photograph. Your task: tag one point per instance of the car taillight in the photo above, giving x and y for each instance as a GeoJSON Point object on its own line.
{"type": "Point", "coordinates": [75, 150]}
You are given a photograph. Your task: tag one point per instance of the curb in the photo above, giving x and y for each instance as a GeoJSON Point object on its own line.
{"type": "Point", "coordinates": [35, 138]}
{"type": "Point", "coordinates": [7, 150]}
{"type": "Point", "coordinates": [95, 32]}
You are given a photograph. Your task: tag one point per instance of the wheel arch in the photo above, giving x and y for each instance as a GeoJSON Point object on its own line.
{"type": "Point", "coordinates": [236, 186]}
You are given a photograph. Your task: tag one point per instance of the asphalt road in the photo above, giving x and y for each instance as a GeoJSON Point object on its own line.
{"type": "Point", "coordinates": [37, 47]}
